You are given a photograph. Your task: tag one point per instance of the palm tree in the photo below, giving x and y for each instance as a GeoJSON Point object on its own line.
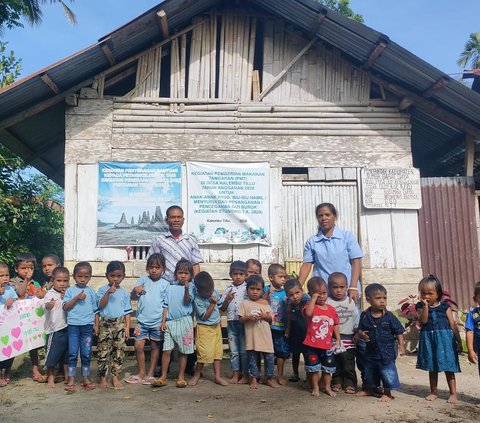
{"type": "Point", "coordinates": [33, 12]}
{"type": "Point", "coordinates": [471, 53]}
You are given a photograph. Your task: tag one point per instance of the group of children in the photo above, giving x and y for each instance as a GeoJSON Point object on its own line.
{"type": "Point", "coordinates": [271, 321]}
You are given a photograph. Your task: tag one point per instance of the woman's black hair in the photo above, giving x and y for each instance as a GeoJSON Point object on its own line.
{"type": "Point", "coordinates": [330, 206]}
{"type": "Point", "coordinates": [292, 283]}
{"type": "Point", "coordinates": [254, 279]}
{"type": "Point", "coordinates": [157, 258]}
{"type": "Point", "coordinates": [184, 264]}
{"type": "Point", "coordinates": [115, 265]}
{"type": "Point", "coordinates": [432, 279]}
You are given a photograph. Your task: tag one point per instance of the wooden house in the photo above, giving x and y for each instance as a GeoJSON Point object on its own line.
{"type": "Point", "coordinates": [316, 95]}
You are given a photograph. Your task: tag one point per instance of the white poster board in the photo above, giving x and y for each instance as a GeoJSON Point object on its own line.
{"type": "Point", "coordinates": [229, 203]}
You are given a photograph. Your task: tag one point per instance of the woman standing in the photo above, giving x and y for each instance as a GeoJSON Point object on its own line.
{"type": "Point", "coordinates": [332, 250]}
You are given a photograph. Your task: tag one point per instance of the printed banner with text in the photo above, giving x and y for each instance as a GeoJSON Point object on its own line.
{"type": "Point", "coordinates": [229, 203]}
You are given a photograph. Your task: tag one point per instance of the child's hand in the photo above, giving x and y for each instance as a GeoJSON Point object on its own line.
{"type": "Point", "coordinates": [82, 295]}
{"type": "Point", "coordinates": [230, 296]}
{"type": "Point", "coordinates": [139, 290]}
{"type": "Point", "coordinates": [401, 350]}
{"type": "Point", "coordinates": [213, 299]}
{"type": "Point", "coordinates": [40, 293]}
{"type": "Point", "coordinates": [50, 304]}
{"type": "Point", "coordinates": [363, 335]}
{"type": "Point", "coordinates": [459, 347]}
{"type": "Point", "coordinates": [472, 357]}
{"type": "Point", "coordinates": [263, 315]}
{"type": "Point", "coordinates": [163, 327]}
{"type": "Point", "coordinates": [187, 284]}
{"type": "Point", "coordinates": [127, 334]}
{"type": "Point", "coordinates": [424, 301]}
{"type": "Point", "coordinates": [315, 297]}
{"type": "Point", "coordinates": [29, 275]}
{"type": "Point", "coordinates": [9, 302]}
{"type": "Point", "coordinates": [112, 289]}
{"type": "Point", "coordinates": [96, 330]}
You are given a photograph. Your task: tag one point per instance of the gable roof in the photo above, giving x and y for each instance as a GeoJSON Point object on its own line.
{"type": "Point", "coordinates": [442, 109]}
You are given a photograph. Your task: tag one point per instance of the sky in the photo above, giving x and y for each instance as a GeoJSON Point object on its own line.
{"type": "Point", "coordinates": [434, 30]}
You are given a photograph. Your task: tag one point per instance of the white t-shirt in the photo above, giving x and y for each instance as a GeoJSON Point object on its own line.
{"type": "Point", "coordinates": [55, 318]}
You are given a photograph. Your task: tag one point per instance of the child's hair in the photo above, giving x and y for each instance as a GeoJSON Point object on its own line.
{"type": "Point", "coordinates": [203, 281]}
{"type": "Point", "coordinates": [476, 291]}
{"type": "Point", "coordinates": [254, 279]}
{"type": "Point", "coordinates": [60, 270]}
{"type": "Point", "coordinates": [255, 262]}
{"type": "Point", "coordinates": [273, 269]}
{"type": "Point", "coordinates": [3, 265]}
{"type": "Point", "coordinates": [330, 206]}
{"type": "Point", "coordinates": [374, 287]}
{"type": "Point", "coordinates": [184, 264]}
{"type": "Point", "coordinates": [431, 280]}
{"type": "Point", "coordinates": [314, 283]}
{"type": "Point", "coordinates": [336, 275]}
{"type": "Point", "coordinates": [25, 257]}
{"type": "Point", "coordinates": [54, 257]}
{"type": "Point", "coordinates": [157, 258]}
{"type": "Point", "coordinates": [238, 265]}
{"type": "Point", "coordinates": [292, 283]}
{"type": "Point", "coordinates": [82, 265]}
{"type": "Point", "coordinates": [115, 265]}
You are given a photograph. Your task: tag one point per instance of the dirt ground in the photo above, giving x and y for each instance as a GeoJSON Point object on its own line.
{"type": "Point", "coordinates": [26, 401]}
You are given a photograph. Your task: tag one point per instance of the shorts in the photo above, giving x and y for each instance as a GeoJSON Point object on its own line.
{"type": "Point", "coordinates": [144, 332]}
{"type": "Point", "coordinates": [317, 360]}
{"type": "Point", "coordinates": [375, 372]}
{"type": "Point", "coordinates": [57, 348]}
{"type": "Point", "coordinates": [280, 344]}
{"type": "Point", "coordinates": [208, 340]}
{"type": "Point", "coordinates": [179, 333]}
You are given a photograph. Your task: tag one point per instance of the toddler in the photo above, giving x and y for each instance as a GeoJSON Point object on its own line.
{"type": "Point", "coordinates": [472, 326]}
{"type": "Point", "coordinates": [254, 267]}
{"type": "Point", "coordinates": [49, 263]}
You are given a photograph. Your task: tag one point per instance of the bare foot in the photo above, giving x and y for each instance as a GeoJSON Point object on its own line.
{"type": "Point", "coordinates": [194, 380]}
{"type": "Point", "coordinates": [452, 399]}
{"type": "Point", "coordinates": [330, 393]}
{"type": "Point", "coordinates": [271, 383]}
{"type": "Point", "coordinates": [243, 380]}
{"type": "Point", "coordinates": [117, 384]}
{"type": "Point", "coordinates": [253, 383]}
{"type": "Point", "coordinates": [364, 393]}
{"type": "Point", "coordinates": [103, 383]}
{"type": "Point", "coordinates": [221, 381]}
{"type": "Point", "coordinates": [431, 397]}
{"type": "Point", "coordinates": [386, 398]}
{"type": "Point", "coordinates": [316, 391]}
{"type": "Point", "coordinates": [282, 381]}
{"type": "Point", "coordinates": [478, 405]}
{"type": "Point", "coordinates": [235, 378]}
{"type": "Point", "coordinates": [50, 384]}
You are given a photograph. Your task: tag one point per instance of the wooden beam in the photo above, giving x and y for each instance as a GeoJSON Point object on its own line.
{"type": "Point", "coordinates": [374, 55]}
{"type": "Point", "coordinates": [286, 69]}
{"type": "Point", "coordinates": [48, 81]}
{"type": "Point", "coordinates": [162, 20]}
{"type": "Point", "coordinates": [71, 100]}
{"type": "Point", "coordinates": [120, 77]}
{"type": "Point", "coordinates": [437, 85]}
{"type": "Point", "coordinates": [469, 155]}
{"type": "Point", "coordinates": [405, 103]}
{"type": "Point", "coordinates": [108, 53]}
{"type": "Point", "coordinates": [320, 18]}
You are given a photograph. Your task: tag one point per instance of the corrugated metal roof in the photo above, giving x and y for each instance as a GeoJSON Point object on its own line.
{"type": "Point", "coordinates": [356, 42]}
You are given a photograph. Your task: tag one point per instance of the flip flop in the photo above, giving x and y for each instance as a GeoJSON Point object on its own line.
{"type": "Point", "coordinates": [134, 379]}
{"type": "Point", "coordinates": [159, 383]}
{"type": "Point", "coordinates": [350, 390]}
{"type": "Point", "coordinates": [90, 386]}
{"type": "Point", "coordinates": [3, 383]}
{"type": "Point", "coordinates": [148, 380]}
{"type": "Point", "coordinates": [40, 378]}
{"type": "Point", "coordinates": [182, 383]}
{"type": "Point", "coordinates": [336, 388]}
{"type": "Point", "coordinates": [70, 388]}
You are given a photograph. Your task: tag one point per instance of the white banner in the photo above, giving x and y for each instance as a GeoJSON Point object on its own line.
{"type": "Point", "coordinates": [229, 203]}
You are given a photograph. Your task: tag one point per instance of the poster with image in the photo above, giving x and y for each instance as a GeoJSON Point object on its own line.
{"type": "Point", "coordinates": [229, 203]}
{"type": "Point", "coordinates": [132, 199]}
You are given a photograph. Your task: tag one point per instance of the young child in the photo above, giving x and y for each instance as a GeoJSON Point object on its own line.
{"type": "Point", "coordinates": [276, 297]}
{"type": "Point", "coordinates": [56, 326]}
{"type": "Point", "coordinates": [254, 267]}
{"type": "Point", "coordinates": [256, 314]}
{"type": "Point", "coordinates": [80, 303]}
{"type": "Point", "coordinates": [151, 289]}
{"type": "Point", "coordinates": [345, 376]}
{"type": "Point", "coordinates": [177, 322]}
{"type": "Point", "coordinates": [7, 297]}
{"type": "Point", "coordinates": [439, 341]}
{"type": "Point", "coordinates": [49, 263]}
{"type": "Point", "coordinates": [112, 324]}
{"type": "Point", "coordinates": [27, 288]}
{"type": "Point", "coordinates": [472, 326]}
{"type": "Point", "coordinates": [232, 297]}
{"type": "Point", "coordinates": [322, 325]}
{"type": "Point", "coordinates": [296, 325]}
{"type": "Point", "coordinates": [208, 336]}
{"type": "Point", "coordinates": [380, 330]}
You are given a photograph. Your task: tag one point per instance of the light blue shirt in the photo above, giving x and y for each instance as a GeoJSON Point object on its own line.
{"type": "Point", "coordinates": [332, 254]}
{"type": "Point", "coordinates": [200, 306]}
{"type": "Point", "coordinates": [9, 293]}
{"type": "Point", "coordinates": [175, 304]}
{"type": "Point", "coordinates": [118, 304]}
{"type": "Point", "coordinates": [83, 312]}
{"type": "Point", "coordinates": [150, 305]}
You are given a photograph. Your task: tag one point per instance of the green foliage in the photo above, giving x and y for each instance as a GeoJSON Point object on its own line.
{"type": "Point", "coordinates": [10, 66]}
{"type": "Point", "coordinates": [471, 53]}
{"type": "Point", "coordinates": [27, 220]}
{"type": "Point", "coordinates": [343, 7]}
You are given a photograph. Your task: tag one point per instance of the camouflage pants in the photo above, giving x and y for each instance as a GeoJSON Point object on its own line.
{"type": "Point", "coordinates": [111, 346]}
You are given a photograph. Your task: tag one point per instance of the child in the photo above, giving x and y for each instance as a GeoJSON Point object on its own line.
{"type": "Point", "coordinates": [296, 326]}
{"type": "Point", "coordinates": [49, 263]}
{"type": "Point", "coordinates": [256, 314]}
{"type": "Point", "coordinates": [439, 338]}
{"type": "Point", "coordinates": [345, 376]}
{"type": "Point", "coordinates": [177, 322]}
{"type": "Point", "coordinates": [152, 290]}
{"type": "Point", "coordinates": [112, 324]}
{"type": "Point", "coordinates": [27, 288]}
{"type": "Point", "coordinates": [276, 297]}
{"type": "Point", "coordinates": [379, 329]}
{"type": "Point", "coordinates": [322, 324]}
{"type": "Point", "coordinates": [472, 326]}
{"type": "Point", "coordinates": [254, 267]}
{"type": "Point", "coordinates": [208, 336]}
{"type": "Point", "coordinates": [80, 303]}
{"type": "Point", "coordinates": [7, 297]}
{"type": "Point", "coordinates": [56, 326]}
{"type": "Point", "coordinates": [232, 297]}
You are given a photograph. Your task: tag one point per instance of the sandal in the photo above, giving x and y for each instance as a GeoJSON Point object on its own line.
{"type": "Point", "coordinates": [3, 383]}
{"type": "Point", "coordinates": [70, 388]}
{"type": "Point", "coordinates": [159, 383]}
{"type": "Point", "coordinates": [336, 388]}
{"type": "Point", "coordinates": [134, 379]}
{"type": "Point", "coordinates": [182, 383]}
{"type": "Point", "coordinates": [350, 390]}
{"type": "Point", "coordinates": [90, 386]}
{"type": "Point", "coordinates": [40, 378]}
{"type": "Point", "coordinates": [148, 380]}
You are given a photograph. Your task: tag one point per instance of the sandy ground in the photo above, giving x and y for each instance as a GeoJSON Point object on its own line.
{"type": "Point", "coordinates": [26, 401]}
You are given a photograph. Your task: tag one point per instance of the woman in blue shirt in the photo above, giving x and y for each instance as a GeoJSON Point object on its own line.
{"type": "Point", "coordinates": [332, 250]}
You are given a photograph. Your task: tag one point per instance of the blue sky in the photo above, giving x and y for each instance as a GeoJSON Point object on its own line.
{"type": "Point", "coordinates": [435, 30]}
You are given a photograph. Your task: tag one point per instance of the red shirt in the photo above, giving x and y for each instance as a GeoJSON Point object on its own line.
{"type": "Point", "coordinates": [320, 327]}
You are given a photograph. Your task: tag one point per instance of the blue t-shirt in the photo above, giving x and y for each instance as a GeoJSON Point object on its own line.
{"type": "Point", "coordinates": [473, 324]}
{"type": "Point", "coordinates": [175, 304]}
{"type": "Point", "coordinates": [118, 304]}
{"type": "Point", "coordinates": [201, 305]}
{"type": "Point", "coordinates": [9, 293]}
{"type": "Point", "coordinates": [278, 305]}
{"type": "Point", "coordinates": [150, 305]}
{"type": "Point", "coordinates": [83, 312]}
